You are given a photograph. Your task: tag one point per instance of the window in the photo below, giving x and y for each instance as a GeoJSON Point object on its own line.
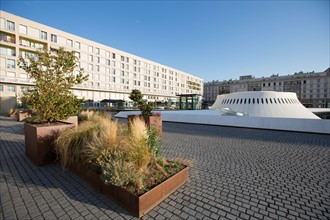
{"type": "Point", "coordinates": [90, 58]}
{"type": "Point", "coordinates": [69, 43]}
{"type": "Point", "coordinates": [11, 74]}
{"type": "Point", "coordinates": [122, 58]}
{"type": "Point", "coordinates": [10, 26]}
{"type": "Point", "coordinates": [43, 35]}
{"type": "Point", "coordinates": [90, 49]}
{"type": "Point", "coordinates": [90, 66]}
{"type": "Point", "coordinates": [7, 51]}
{"type": "Point", "coordinates": [11, 89]}
{"type": "Point", "coordinates": [23, 75]}
{"type": "Point", "coordinates": [22, 29]}
{"type": "Point", "coordinates": [97, 50]}
{"type": "Point", "coordinates": [127, 59]}
{"type": "Point", "coordinates": [1, 88]}
{"type": "Point", "coordinates": [77, 54]}
{"type": "Point", "coordinates": [24, 89]}
{"type": "Point", "coordinates": [77, 45]}
{"type": "Point", "coordinates": [11, 63]}
{"type": "Point", "coordinates": [257, 101]}
{"type": "Point", "coordinates": [53, 38]}
{"type": "Point", "coordinates": [98, 59]}
{"type": "Point", "coordinates": [113, 56]}
{"type": "Point", "coordinates": [108, 62]}
{"type": "Point", "coordinates": [107, 54]}
{"type": "Point", "coordinates": [97, 68]}
{"type": "Point", "coordinates": [107, 70]}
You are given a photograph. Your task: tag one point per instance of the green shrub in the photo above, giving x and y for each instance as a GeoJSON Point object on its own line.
{"type": "Point", "coordinates": [51, 98]}
{"type": "Point", "coordinates": [145, 107]}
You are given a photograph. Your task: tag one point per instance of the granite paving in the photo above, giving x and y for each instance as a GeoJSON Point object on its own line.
{"type": "Point", "coordinates": [236, 173]}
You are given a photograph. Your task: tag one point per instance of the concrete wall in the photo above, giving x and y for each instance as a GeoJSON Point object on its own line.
{"type": "Point", "coordinates": [212, 117]}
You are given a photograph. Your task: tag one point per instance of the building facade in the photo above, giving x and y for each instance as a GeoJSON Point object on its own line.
{"type": "Point", "coordinates": [112, 73]}
{"type": "Point", "coordinates": [312, 89]}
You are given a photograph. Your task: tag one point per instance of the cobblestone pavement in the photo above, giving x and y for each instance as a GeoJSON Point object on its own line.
{"type": "Point", "coordinates": [236, 173]}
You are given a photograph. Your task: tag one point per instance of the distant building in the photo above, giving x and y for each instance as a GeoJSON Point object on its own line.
{"type": "Point", "coordinates": [312, 89]}
{"type": "Point", "coordinates": [112, 73]}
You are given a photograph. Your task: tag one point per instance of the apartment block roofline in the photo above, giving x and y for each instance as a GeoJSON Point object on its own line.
{"type": "Point", "coordinates": [64, 33]}
{"type": "Point", "coordinates": [247, 78]}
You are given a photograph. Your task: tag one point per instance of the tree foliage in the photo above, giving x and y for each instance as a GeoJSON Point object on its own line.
{"type": "Point", "coordinates": [51, 98]}
{"type": "Point", "coordinates": [144, 106]}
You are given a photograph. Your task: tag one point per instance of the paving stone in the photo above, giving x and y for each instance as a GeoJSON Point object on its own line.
{"type": "Point", "coordinates": [236, 173]}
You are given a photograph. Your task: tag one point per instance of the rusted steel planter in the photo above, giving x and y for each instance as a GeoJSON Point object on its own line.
{"type": "Point", "coordinates": [137, 205]}
{"type": "Point", "coordinates": [151, 121]}
{"type": "Point", "coordinates": [72, 120]}
{"type": "Point", "coordinates": [24, 114]}
{"type": "Point", "coordinates": [39, 146]}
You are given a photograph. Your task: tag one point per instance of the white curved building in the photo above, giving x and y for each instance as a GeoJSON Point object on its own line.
{"type": "Point", "coordinates": [262, 104]}
{"type": "Point", "coordinates": [261, 110]}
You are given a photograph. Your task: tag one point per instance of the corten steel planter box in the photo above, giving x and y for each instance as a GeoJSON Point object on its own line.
{"type": "Point", "coordinates": [72, 120]}
{"type": "Point", "coordinates": [24, 114]}
{"type": "Point", "coordinates": [137, 205]}
{"type": "Point", "coordinates": [39, 146]}
{"type": "Point", "coordinates": [151, 121]}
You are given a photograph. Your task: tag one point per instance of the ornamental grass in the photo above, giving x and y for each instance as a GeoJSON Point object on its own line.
{"type": "Point", "coordinates": [125, 157]}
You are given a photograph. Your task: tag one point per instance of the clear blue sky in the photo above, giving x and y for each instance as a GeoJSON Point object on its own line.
{"type": "Point", "coordinates": [214, 40]}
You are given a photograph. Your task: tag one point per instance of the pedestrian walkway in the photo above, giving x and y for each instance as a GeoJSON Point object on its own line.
{"type": "Point", "coordinates": [236, 173]}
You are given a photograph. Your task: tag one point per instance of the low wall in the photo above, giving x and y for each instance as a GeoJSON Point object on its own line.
{"type": "Point", "coordinates": [212, 117]}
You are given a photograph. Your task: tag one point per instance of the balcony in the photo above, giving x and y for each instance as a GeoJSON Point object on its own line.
{"type": "Point", "coordinates": [31, 44]}
{"type": "Point", "coordinates": [7, 38]}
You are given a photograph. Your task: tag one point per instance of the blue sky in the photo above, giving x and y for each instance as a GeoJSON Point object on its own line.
{"type": "Point", "coordinates": [214, 40]}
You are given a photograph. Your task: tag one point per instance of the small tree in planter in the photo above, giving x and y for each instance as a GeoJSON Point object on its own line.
{"type": "Point", "coordinates": [151, 119]}
{"type": "Point", "coordinates": [51, 100]}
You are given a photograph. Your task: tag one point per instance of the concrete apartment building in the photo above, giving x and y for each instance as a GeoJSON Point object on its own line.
{"type": "Point", "coordinates": [312, 89]}
{"type": "Point", "coordinates": [112, 73]}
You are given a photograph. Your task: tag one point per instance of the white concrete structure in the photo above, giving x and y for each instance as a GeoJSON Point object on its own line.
{"type": "Point", "coordinates": [214, 117]}
{"type": "Point", "coordinates": [263, 104]}
{"type": "Point", "coordinates": [261, 110]}
{"type": "Point", "coordinates": [112, 73]}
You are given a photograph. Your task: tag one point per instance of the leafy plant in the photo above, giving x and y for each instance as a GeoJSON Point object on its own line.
{"type": "Point", "coordinates": [154, 141]}
{"type": "Point", "coordinates": [144, 106]}
{"type": "Point", "coordinates": [51, 99]}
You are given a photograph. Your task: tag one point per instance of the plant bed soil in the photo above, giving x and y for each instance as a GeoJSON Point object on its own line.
{"type": "Point", "coordinates": [137, 205]}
